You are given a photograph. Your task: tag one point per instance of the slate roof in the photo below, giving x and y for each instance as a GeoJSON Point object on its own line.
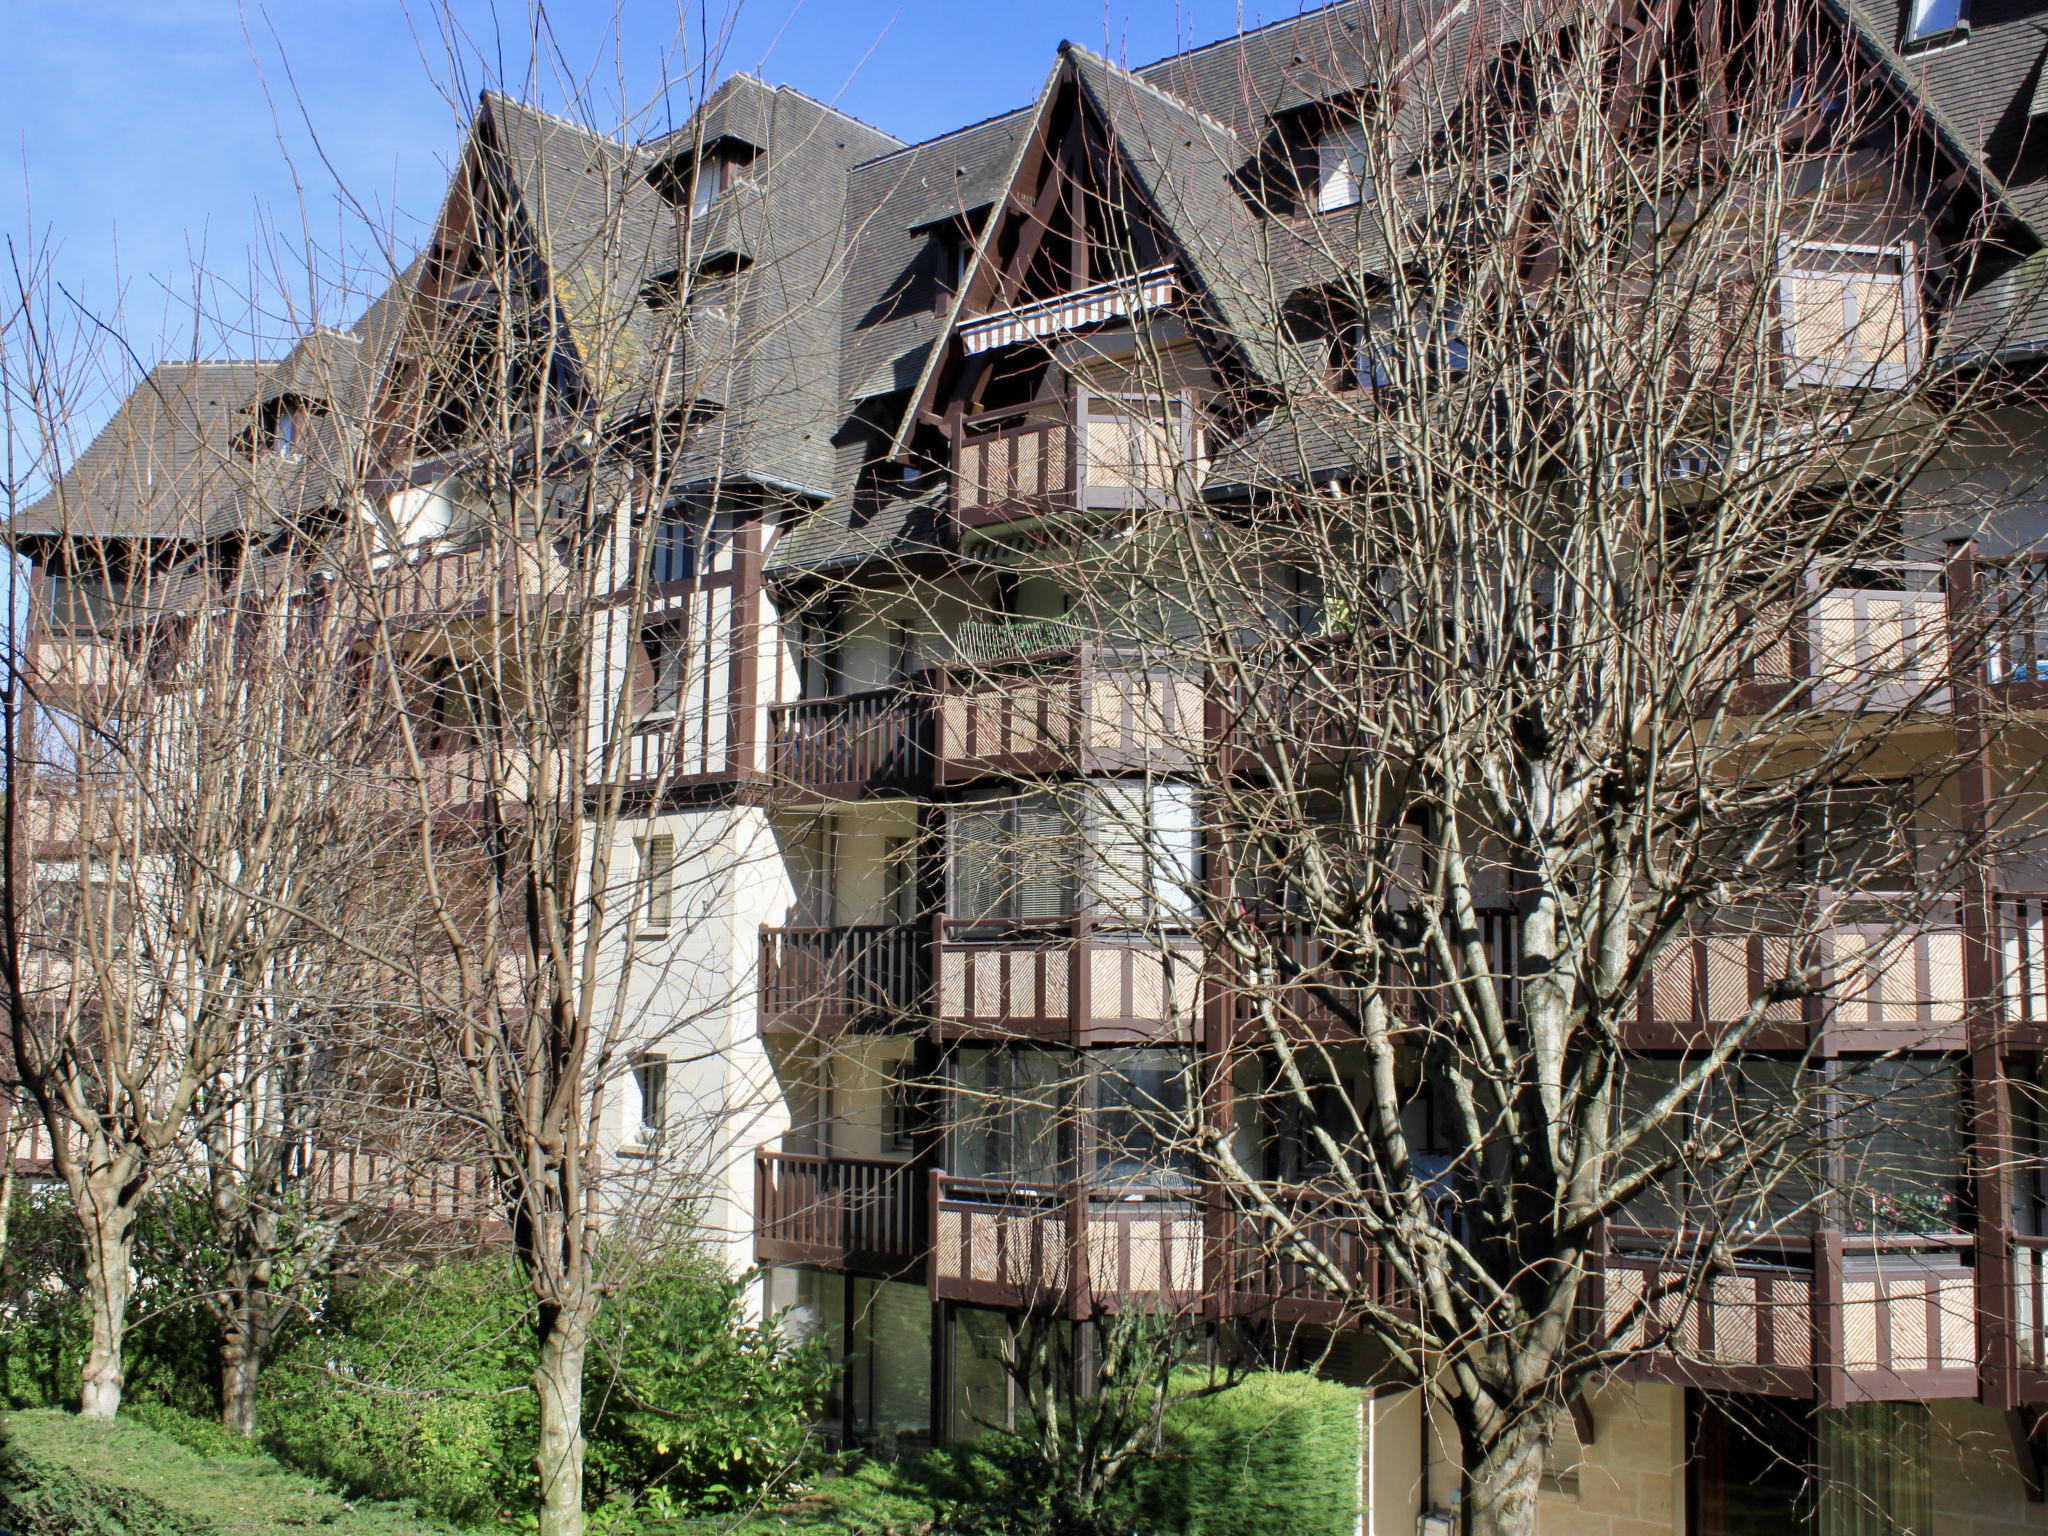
{"type": "Point", "coordinates": [163, 467]}
{"type": "Point", "coordinates": [842, 236]}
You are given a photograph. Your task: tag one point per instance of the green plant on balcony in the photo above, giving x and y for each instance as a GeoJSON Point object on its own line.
{"type": "Point", "coordinates": [1004, 640]}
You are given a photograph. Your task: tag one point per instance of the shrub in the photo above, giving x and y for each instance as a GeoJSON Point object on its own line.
{"type": "Point", "coordinates": [65, 1476]}
{"type": "Point", "coordinates": [414, 1386]}
{"type": "Point", "coordinates": [418, 1386]}
{"type": "Point", "coordinates": [209, 1437]}
{"type": "Point", "coordinates": [171, 1353]}
{"type": "Point", "coordinates": [1276, 1452]}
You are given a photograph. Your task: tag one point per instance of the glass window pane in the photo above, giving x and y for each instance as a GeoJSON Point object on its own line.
{"type": "Point", "coordinates": [1900, 1144]}
{"type": "Point", "coordinates": [1141, 1098]}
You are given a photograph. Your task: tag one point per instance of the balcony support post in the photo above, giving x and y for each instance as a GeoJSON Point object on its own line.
{"type": "Point", "coordinates": [1997, 1341]}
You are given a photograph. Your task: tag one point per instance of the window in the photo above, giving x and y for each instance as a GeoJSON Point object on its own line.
{"type": "Point", "coordinates": [650, 1075]}
{"type": "Point", "coordinates": [1900, 1130]}
{"type": "Point", "coordinates": [1145, 848]}
{"type": "Point", "coordinates": [1930, 23]}
{"type": "Point", "coordinates": [899, 1109]}
{"type": "Point", "coordinates": [87, 589]}
{"type": "Point", "coordinates": [688, 543]}
{"type": "Point", "coordinates": [1341, 181]}
{"type": "Point", "coordinates": [1013, 860]}
{"type": "Point", "coordinates": [1009, 1118]}
{"type": "Point", "coordinates": [657, 875]}
{"type": "Point", "coordinates": [899, 875]}
{"type": "Point", "coordinates": [667, 670]}
{"type": "Point", "coordinates": [1859, 835]}
{"type": "Point", "coordinates": [1850, 315]}
{"type": "Point", "coordinates": [1141, 1104]}
{"type": "Point", "coordinates": [717, 174]}
{"type": "Point", "coordinates": [1381, 355]}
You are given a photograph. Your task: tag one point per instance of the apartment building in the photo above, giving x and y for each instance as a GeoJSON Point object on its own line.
{"type": "Point", "coordinates": [857, 706]}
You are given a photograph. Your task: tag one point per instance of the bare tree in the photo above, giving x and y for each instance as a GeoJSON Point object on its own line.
{"type": "Point", "coordinates": [1506, 492]}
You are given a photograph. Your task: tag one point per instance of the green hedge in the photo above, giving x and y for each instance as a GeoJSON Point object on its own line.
{"type": "Point", "coordinates": [61, 1475]}
{"type": "Point", "coordinates": [1276, 1452]}
{"type": "Point", "coordinates": [1272, 1455]}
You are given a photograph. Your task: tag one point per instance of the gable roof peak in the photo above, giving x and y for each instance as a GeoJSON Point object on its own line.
{"type": "Point", "coordinates": [1126, 77]}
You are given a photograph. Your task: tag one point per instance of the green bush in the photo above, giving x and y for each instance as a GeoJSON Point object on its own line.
{"type": "Point", "coordinates": [415, 1386]}
{"type": "Point", "coordinates": [171, 1353]}
{"type": "Point", "coordinates": [65, 1476]}
{"type": "Point", "coordinates": [209, 1437]}
{"type": "Point", "coordinates": [1271, 1453]}
{"type": "Point", "coordinates": [1276, 1452]}
{"type": "Point", "coordinates": [418, 1386]}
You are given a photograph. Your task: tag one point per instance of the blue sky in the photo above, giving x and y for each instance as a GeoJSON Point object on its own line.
{"type": "Point", "coordinates": [141, 137]}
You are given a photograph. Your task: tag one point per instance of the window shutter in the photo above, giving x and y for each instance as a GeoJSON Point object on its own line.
{"type": "Point", "coordinates": [643, 676]}
{"type": "Point", "coordinates": [659, 861]}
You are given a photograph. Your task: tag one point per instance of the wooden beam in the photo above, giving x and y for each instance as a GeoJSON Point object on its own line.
{"type": "Point", "coordinates": [2021, 1425]}
{"type": "Point", "coordinates": [1582, 1419]}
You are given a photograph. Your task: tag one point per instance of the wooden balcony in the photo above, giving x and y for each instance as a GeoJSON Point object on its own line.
{"type": "Point", "coordinates": [850, 747]}
{"type": "Point", "coordinates": [1005, 1243]}
{"type": "Point", "coordinates": [439, 585]}
{"type": "Point", "coordinates": [1009, 473]}
{"type": "Point", "coordinates": [1889, 988]}
{"type": "Point", "coordinates": [1877, 648]}
{"type": "Point", "coordinates": [839, 1213]}
{"type": "Point", "coordinates": [1838, 1318]}
{"type": "Point", "coordinates": [821, 980]}
{"type": "Point", "coordinates": [2012, 608]}
{"type": "Point", "coordinates": [689, 748]}
{"type": "Point", "coordinates": [2030, 1316]}
{"type": "Point", "coordinates": [1267, 1274]}
{"type": "Point", "coordinates": [1080, 711]}
{"type": "Point", "coordinates": [1063, 979]}
{"type": "Point", "coordinates": [1087, 452]}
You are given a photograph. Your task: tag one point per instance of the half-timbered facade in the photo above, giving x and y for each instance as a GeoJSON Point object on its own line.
{"type": "Point", "coordinates": [848, 700]}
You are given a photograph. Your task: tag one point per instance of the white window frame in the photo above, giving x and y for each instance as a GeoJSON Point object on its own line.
{"type": "Point", "coordinates": [1890, 373]}
{"type": "Point", "coordinates": [657, 883]}
{"type": "Point", "coordinates": [651, 1067]}
{"type": "Point", "coordinates": [1356, 186]}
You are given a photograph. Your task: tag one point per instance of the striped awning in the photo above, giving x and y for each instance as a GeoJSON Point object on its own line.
{"type": "Point", "coordinates": [1070, 311]}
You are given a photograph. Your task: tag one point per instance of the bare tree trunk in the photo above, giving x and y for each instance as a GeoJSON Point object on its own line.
{"type": "Point", "coordinates": [241, 1359]}
{"type": "Point", "coordinates": [109, 1228]}
{"type": "Point", "coordinates": [558, 1382]}
{"type": "Point", "coordinates": [1504, 1478]}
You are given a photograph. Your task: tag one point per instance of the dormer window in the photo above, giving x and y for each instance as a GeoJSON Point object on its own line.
{"type": "Point", "coordinates": [703, 177]}
{"type": "Point", "coordinates": [717, 174]}
{"type": "Point", "coordinates": [1341, 179]}
{"type": "Point", "coordinates": [1934, 23]}
{"type": "Point", "coordinates": [280, 426]}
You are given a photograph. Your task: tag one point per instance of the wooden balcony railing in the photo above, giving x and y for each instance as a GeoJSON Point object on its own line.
{"type": "Point", "coordinates": [854, 745]}
{"type": "Point", "coordinates": [1840, 1316]}
{"type": "Point", "coordinates": [1848, 648]}
{"type": "Point", "coordinates": [1007, 1243]}
{"type": "Point", "coordinates": [2012, 593]}
{"type": "Point", "coordinates": [823, 978]}
{"type": "Point", "coordinates": [1888, 986]}
{"type": "Point", "coordinates": [1016, 472]}
{"type": "Point", "coordinates": [687, 748]}
{"type": "Point", "coordinates": [2030, 1314]}
{"type": "Point", "coordinates": [1275, 1268]}
{"type": "Point", "coordinates": [1083, 711]}
{"type": "Point", "coordinates": [1066, 979]}
{"type": "Point", "coordinates": [837, 1212]}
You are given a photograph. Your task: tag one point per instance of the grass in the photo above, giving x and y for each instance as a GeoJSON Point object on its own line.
{"type": "Point", "coordinates": [61, 1475]}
